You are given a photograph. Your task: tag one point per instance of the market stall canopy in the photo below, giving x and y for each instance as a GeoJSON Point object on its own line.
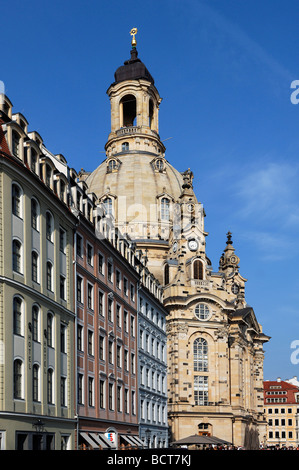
{"type": "Point", "coordinates": [197, 439]}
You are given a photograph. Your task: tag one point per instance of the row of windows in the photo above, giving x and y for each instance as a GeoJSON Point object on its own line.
{"type": "Point", "coordinates": [280, 410]}
{"type": "Point", "coordinates": [35, 325]}
{"type": "Point", "coordinates": [19, 384]}
{"type": "Point", "coordinates": [152, 379]}
{"type": "Point", "coordinates": [151, 345]}
{"type": "Point", "coordinates": [117, 397]}
{"type": "Point", "coordinates": [281, 422]}
{"type": "Point", "coordinates": [17, 266]}
{"type": "Point", "coordinates": [276, 400]}
{"type": "Point", "coordinates": [278, 435]}
{"type": "Point", "coordinates": [113, 276]}
{"type": "Point", "coordinates": [17, 210]}
{"type": "Point", "coordinates": [154, 412]}
{"type": "Point", "coordinates": [106, 306]}
{"type": "Point", "coordinates": [152, 315]}
{"type": "Point", "coordinates": [108, 350]}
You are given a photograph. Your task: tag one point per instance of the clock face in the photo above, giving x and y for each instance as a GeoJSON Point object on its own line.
{"type": "Point", "coordinates": [193, 245]}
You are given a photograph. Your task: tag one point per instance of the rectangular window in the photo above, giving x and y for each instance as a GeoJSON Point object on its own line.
{"type": "Point", "coordinates": [79, 289]}
{"type": "Point", "coordinates": [110, 352]}
{"type": "Point", "coordinates": [118, 317]}
{"type": "Point", "coordinates": [111, 397]}
{"type": "Point", "coordinates": [90, 391]}
{"type": "Point", "coordinates": [132, 290]}
{"type": "Point", "coordinates": [101, 263]}
{"type": "Point", "coordinates": [79, 242]}
{"type": "Point", "coordinates": [101, 348]}
{"type": "Point", "coordinates": [125, 286]}
{"type": "Point", "coordinates": [63, 391]}
{"type": "Point", "coordinates": [62, 287]}
{"type": "Point", "coordinates": [201, 390]}
{"type": "Point", "coordinates": [89, 254]}
{"type": "Point", "coordinates": [126, 321]}
{"type": "Point", "coordinates": [110, 310]}
{"type": "Point", "coordinates": [62, 240]}
{"type": "Point", "coordinates": [80, 338]}
{"type": "Point", "coordinates": [101, 303]}
{"type": "Point", "coordinates": [90, 296]}
{"type": "Point", "coordinates": [118, 356]}
{"type": "Point", "coordinates": [119, 401]}
{"type": "Point", "coordinates": [132, 326]}
{"type": "Point", "coordinates": [126, 365]}
{"type": "Point", "coordinates": [63, 338]}
{"type": "Point", "coordinates": [102, 394]}
{"type": "Point", "coordinates": [80, 389]}
{"type": "Point", "coordinates": [126, 400]}
{"type": "Point", "coordinates": [110, 272]}
{"type": "Point", "coordinates": [118, 279]}
{"type": "Point", "coordinates": [90, 342]}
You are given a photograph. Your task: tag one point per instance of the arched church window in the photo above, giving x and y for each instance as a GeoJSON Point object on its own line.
{"type": "Point", "coordinates": [200, 355]}
{"type": "Point", "coordinates": [197, 269]}
{"type": "Point", "coordinates": [125, 146]}
{"type": "Point", "coordinates": [202, 311]}
{"type": "Point", "coordinates": [166, 274]}
{"type": "Point", "coordinates": [128, 105]}
{"type": "Point", "coordinates": [165, 208]}
{"type": "Point", "coordinates": [108, 205]}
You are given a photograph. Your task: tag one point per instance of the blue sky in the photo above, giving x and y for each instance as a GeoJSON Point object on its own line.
{"type": "Point", "coordinates": [224, 69]}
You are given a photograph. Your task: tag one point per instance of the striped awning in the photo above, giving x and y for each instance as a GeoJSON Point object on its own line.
{"type": "Point", "coordinates": [97, 440]}
{"type": "Point", "coordinates": [132, 440]}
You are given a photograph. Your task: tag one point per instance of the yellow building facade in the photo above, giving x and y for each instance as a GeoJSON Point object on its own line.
{"type": "Point", "coordinates": [215, 343]}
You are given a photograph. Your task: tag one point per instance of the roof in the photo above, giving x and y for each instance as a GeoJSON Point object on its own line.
{"type": "Point", "coordinates": [133, 69]}
{"type": "Point", "coordinates": [3, 143]}
{"type": "Point", "coordinates": [280, 392]}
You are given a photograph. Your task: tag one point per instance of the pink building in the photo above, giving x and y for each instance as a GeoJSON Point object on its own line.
{"type": "Point", "coordinates": [106, 299]}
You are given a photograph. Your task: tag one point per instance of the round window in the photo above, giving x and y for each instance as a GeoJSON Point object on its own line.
{"type": "Point", "coordinates": [202, 311]}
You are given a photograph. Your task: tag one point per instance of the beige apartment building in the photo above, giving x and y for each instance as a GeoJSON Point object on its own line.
{"type": "Point", "coordinates": [215, 343]}
{"type": "Point", "coordinates": [36, 281]}
{"type": "Point", "coordinates": [281, 400]}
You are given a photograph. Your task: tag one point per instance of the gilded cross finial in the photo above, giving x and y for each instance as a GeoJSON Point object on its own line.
{"type": "Point", "coordinates": [133, 32]}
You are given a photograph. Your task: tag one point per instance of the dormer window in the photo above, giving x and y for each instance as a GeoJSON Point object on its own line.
{"type": "Point", "coordinates": [48, 175]}
{"type": "Point", "coordinates": [33, 160]}
{"type": "Point", "coordinates": [15, 144]}
{"type": "Point", "coordinates": [108, 205]}
{"type": "Point", "coordinates": [159, 164]}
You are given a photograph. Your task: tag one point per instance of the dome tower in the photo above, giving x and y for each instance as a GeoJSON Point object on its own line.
{"type": "Point", "coordinates": [135, 183]}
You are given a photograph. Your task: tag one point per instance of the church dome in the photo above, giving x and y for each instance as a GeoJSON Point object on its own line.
{"type": "Point", "coordinates": [142, 188]}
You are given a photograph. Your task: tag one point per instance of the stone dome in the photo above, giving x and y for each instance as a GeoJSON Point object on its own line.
{"type": "Point", "coordinates": [137, 183]}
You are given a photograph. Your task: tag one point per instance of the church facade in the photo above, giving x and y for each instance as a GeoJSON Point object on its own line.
{"type": "Point", "coordinates": [215, 343]}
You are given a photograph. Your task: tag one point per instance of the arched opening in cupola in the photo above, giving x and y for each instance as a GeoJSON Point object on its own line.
{"type": "Point", "coordinates": [128, 111]}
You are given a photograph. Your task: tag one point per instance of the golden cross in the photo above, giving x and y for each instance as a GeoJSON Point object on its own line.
{"type": "Point", "coordinates": [133, 32]}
